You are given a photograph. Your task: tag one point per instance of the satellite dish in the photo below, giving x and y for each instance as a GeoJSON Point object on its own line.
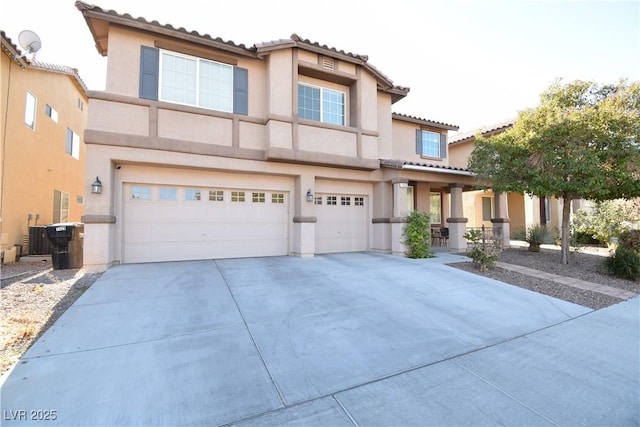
{"type": "Point", "coordinates": [29, 41]}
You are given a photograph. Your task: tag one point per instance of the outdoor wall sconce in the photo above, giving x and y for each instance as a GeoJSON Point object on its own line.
{"type": "Point", "coordinates": [309, 196]}
{"type": "Point", "coordinates": [96, 187]}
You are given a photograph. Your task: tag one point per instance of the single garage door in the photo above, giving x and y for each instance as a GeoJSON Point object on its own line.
{"type": "Point", "coordinates": [167, 223]}
{"type": "Point", "coordinates": [342, 223]}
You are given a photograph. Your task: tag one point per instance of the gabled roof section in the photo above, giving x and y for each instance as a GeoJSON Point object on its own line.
{"type": "Point", "coordinates": [423, 122]}
{"type": "Point", "coordinates": [99, 19]}
{"type": "Point", "coordinates": [12, 51]}
{"type": "Point", "coordinates": [62, 69]}
{"type": "Point", "coordinates": [485, 131]}
{"type": "Point", "coordinates": [385, 84]}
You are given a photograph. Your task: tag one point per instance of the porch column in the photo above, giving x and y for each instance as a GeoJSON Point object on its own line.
{"type": "Point", "coordinates": [398, 219]}
{"type": "Point", "coordinates": [501, 221]}
{"type": "Point", "coordinates": [457, 222]}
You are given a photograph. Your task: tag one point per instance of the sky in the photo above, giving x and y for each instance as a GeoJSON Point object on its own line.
{"type": "Point", "coordinates": [471, 63]}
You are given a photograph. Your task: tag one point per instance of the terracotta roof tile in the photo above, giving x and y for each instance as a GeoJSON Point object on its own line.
{"type": "Point", "coordinates": [486, 131]}
{"type": "Point", "coordinates": [426, 122]}
{"type": "Point", "coordinates": [398, 164]}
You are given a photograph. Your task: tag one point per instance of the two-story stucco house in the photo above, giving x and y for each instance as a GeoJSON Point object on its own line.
{"type": "Point", "coordinates": [42, 164]}
{"type": "Point", "coordinates": [210, 149]}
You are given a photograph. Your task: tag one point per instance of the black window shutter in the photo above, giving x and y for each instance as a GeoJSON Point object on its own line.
{"type": "Point", "coordinates": [149, 69]}
{"type": "Point", "coordinates": [418, 141]}
{"type": "Point", "coordinates": [240, 91]}
{"type": "Point", "coordinates": [443, 145]}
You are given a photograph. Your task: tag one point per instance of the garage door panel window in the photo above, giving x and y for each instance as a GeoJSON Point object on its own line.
{"type": "Point", "coordinates": [237, 196]}
{"type": "Point", "coordinates": [141, 193]}
{"type": "Point", "coordinates": [191, 194]}
{"type": "Point", "coordinates": [258, 197]}
{"type": "Point", "coordinates": [332, 200]}
{"type": "Point", "coordinates": [345, 201]}
{"type": "Point", "coordinates": [277, 198]}
{"type": "Point", "coordinates": [318, 200]}
{"type": "Point", "coordinates": [216, 196]}
{"type": "Point", "coordinates": [358, 201]}
{"type": "Point", "coordinates": [168, 194]}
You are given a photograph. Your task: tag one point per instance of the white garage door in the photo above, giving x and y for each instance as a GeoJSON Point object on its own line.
{"type": "Point", "coordinates": [167, 223]}
{"type": "Point", "coordinates": [342, 223]}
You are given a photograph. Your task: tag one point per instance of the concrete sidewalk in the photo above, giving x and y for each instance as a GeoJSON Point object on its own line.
{"type": "Point", "coordinates": [345, 339]}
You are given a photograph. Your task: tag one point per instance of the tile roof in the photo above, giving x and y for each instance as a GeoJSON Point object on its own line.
{"type": "Point", "coordinates": [421, 121]}
{"type": "Point", "coordinates": [398, 164]}
{"type": "Point", "coordinates": [91, 12]}
{"type": "Point", "coordinates": [19, 56]}
{"type": "Point", "coordinates": [13, 51]}
{"type": "Point", "coordinates": [486, 131]}
{"type": "Point", "coordinates": [61, 69]}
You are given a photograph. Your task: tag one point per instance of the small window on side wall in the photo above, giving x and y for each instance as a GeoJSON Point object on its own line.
{"type": "Point", "coordinates": [30, 111]}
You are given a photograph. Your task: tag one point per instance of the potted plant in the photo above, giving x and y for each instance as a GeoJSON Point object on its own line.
{"type": "Point", "coordinates": [535, 235]}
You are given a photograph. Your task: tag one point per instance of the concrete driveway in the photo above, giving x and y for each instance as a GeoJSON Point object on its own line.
{"type": "Point", "coordinates": [346, 339]}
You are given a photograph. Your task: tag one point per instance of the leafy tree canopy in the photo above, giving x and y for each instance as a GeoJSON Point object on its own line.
{"type": "Point", "coordinates": [582, 141]}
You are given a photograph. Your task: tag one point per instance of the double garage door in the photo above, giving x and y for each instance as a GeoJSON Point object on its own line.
{"type": "Point", "coordinates": [174, 222]}
{"type": "Point", "coordinates": [166, 223]}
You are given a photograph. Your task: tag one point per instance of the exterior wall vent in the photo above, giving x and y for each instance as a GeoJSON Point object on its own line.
{"type": "Point", "coordinates": [328, 63]}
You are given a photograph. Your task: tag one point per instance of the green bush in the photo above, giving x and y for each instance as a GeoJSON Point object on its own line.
{"type": "Point", "coordinates": [483, 258]}
{"type": "Point", "coordinates": [417, 235]}
{"type": "Point", "coordinates": [624, 263]}
{"type": "Point", "coordinates": [606, 219]}
{"type": "Point", "coordinates": [630, 239]}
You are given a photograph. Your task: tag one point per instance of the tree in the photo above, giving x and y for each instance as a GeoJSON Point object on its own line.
{"type": "Point", "coordinates": [581, 142]}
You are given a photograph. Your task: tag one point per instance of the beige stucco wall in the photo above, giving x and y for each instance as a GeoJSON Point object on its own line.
{"type": "Point", "coordinates": [404, 143]}
{"type": "Point", "coordinates": [35, 161]}
{"type": "Point", "coordinates": [459, 154]}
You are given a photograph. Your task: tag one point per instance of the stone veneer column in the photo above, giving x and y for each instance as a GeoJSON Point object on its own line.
{"type": "Point", "coordinates": [457, 222]}
{"type": "Point", "coordinates": [501, 221]}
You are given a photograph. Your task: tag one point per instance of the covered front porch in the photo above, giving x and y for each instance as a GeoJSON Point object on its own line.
{"type": "Point", "coordinates": [438, 190]}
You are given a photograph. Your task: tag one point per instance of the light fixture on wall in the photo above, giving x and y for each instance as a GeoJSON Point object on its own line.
{"type": "Point", "coordinates": [96, 187]}
{"type": "Point", "coordinates": [309, 196]}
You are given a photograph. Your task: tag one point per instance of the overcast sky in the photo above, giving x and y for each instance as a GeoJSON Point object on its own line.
{"type": "Point", "coordinates": [469, 63]}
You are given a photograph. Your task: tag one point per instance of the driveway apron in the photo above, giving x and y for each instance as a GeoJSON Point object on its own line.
{"type": "Point", "coordinates": [284, 340]}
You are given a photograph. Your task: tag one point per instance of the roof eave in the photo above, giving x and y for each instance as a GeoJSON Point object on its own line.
{"type": "Point", "coordinates": [424, 122]}
{"type": "Point", "coordinates": [12, 50]}
{"type": "Point", "coordinates": [92, 13]}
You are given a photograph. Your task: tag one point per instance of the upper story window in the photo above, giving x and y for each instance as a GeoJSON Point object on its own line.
{"type": "Point", "coordinates": [321, 104]}
{"type": "Point", "coordinates": [50, 112]}
{"type": "Point", "coordinates": [195, 81]}
{"type": "Point", "coordinates": [73, 144]}
{"type": "Point", "coordinates": [30, 111]}
{"type": "Point", "coordinates": [184, 79]}
{"type": "Point", "coordinates": [431, 144]}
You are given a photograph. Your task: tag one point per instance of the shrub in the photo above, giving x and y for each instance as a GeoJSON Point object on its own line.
{"type": "Point", "coordinates": [417, 235]}
{"type": "Point", "coordinates": [535, 235]}
{"type": "Point", "coordinates": [624, 263]}
{"type": "Point", "coordinates": [606, 219]}
{"type": "Point", "coordinates": [630, 239]}
{"type": "Point", "coordinates": [484, 258]}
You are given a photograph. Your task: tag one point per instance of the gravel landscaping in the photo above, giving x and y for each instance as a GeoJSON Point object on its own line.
{"type": "Point", "coordinates": [585, 265]}
{"type": "Point", "coordinates": [33, 297]}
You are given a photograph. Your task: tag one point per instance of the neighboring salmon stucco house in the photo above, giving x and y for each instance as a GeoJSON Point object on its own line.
{"type": "Point", "coordinates": [210, 149]}
{"type": "Point", "coordinates": [42, 165]}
